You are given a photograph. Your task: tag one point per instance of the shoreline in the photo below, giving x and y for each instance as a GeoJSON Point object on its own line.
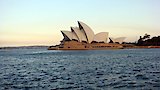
{"type": "Point", "coordinates": [24, 47]}
{"type": "Point", "coordinates": [133, 47]}
{"type": "Point", "coordinates": [48, 48]}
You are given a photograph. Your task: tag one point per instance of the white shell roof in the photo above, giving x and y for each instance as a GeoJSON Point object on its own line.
{"type": "Point", "coordinates": [85, 33]}
{"type": "Point", "coordinates": [101, 37]}
{"type": "Point", "coordinates": [81, 36]}
{"type": "Point", "coordinates": [87, 30]}
{"type": "Point", "coordinates": [74, 36]}
{"type": "Point", "coordinates": [69, 35]}
{"type": "Point", "coordinates": [112, 39]}
{"type": "Point", "coordinates": [119, 39]}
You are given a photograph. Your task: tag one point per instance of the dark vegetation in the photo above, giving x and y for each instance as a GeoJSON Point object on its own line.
{"type": "Point", "coordinates": [147, 41]}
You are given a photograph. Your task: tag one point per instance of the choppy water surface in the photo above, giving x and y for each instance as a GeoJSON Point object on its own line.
{"type": "Point", "coordinates": [88, 70]}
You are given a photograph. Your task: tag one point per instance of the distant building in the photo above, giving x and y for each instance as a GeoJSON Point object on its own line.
{"type": "Point", "coordinates": [83, 37]}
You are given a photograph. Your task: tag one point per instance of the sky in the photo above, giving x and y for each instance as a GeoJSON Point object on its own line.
{"type": "Point", "coordinates": [39, 22]}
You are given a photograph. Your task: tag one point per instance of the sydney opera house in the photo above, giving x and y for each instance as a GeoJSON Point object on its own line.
{"type": "Point", "coordinates": [83, 38]}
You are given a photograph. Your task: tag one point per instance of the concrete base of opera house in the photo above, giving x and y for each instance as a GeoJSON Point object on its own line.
{"type": "Point", "coordinates": [74, 45]}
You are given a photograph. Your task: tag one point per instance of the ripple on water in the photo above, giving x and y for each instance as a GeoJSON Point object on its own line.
{"type": "Point", "coordinates": [88, 70]}
{"type": "Point", "coordinates": [141, 76]}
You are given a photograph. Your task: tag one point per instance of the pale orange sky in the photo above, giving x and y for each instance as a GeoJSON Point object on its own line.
{"type": "Point", "coordinates": [35, 22]}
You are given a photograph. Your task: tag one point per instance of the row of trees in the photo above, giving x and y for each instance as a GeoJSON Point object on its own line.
{"type": "Point", "coordinates": [146, 41]}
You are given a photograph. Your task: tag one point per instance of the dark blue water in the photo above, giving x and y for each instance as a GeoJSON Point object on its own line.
{"type": "Point", "coordinates": [40, 69]}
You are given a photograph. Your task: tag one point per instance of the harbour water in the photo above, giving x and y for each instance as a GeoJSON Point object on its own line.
{"type": "Point", "coordinates": [41, 69]}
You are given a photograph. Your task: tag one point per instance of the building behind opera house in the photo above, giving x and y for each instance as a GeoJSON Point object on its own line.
{"type": "Point", "coordinates": [83, 38]}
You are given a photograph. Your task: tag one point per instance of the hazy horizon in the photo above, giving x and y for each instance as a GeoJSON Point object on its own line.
{"type": "Point", "coordinates": [34, 22]}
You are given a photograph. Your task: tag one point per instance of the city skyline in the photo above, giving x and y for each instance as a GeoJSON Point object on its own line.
{"type": "Point", "coordinates": [35, 22]}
